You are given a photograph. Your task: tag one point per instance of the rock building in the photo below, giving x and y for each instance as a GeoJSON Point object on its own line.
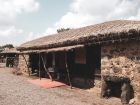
{"type": "Point", "coordinates": [105, 55]}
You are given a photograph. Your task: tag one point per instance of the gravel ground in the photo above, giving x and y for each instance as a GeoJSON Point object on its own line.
{"type": "Point", "coordinates": [16, 90]}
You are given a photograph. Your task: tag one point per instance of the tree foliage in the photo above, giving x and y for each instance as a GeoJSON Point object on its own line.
{"type": "Point", "coordinates": [62, 30]}
{"type": "Point", "coordinates": [6, 47]}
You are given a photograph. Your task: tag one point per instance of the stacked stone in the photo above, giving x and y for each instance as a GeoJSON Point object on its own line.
{"type": "Point", "coordinates": [2, 60]}
{"type": "Point", "coordinates": [82, 82]}
{"type": "Point", "coordinates": [15, 62]}
{"type": "Point", "coordinates": [123, 59]}
{"type": "Point", "coordinates": [22, 66]}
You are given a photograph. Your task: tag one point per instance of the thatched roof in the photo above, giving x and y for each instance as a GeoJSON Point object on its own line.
{"type": "Point", "coordinates": [98, 33]}
{"type": "Point", "coordinates": [68, 48]}
{"type": "Point", "coordinates": [12, 50]}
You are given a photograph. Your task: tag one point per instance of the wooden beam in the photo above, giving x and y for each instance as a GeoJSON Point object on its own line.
{"type": "Point", "coordinates": [6, 62]}
{"type": "Point", "coordinates": [67, 69]}
{"type": "Point", "coordinates": [46, 68]}
{"type": "Point", "coordinates": [26, 64]}
{"type": "Point", "coordinates": [39, 68]}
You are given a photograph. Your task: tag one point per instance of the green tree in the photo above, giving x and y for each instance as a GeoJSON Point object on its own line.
{"type": "Point", "coordinates": [62, 30]}
{"type": "Point", "coordinates": [1, 49]}
{"type": "Point", "coordinates": [6, 47]}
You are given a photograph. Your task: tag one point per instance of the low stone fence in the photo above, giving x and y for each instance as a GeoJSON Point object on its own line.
{"type": "Point", "coordinates": [2, 60]}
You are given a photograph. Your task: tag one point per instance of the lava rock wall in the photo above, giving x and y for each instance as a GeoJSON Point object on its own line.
{"type": "Point", "coordinates": [15, 62]}
{"type": "Point", "coordinates": [122, 58]}
{"type": "Point", "coordinates": [22, 66]}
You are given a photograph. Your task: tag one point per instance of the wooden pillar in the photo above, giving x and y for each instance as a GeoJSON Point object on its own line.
{"type": "Point", "coordinates": [26, 64]}
{"type": "Point", "coordinates": [45, 59]}
{"type": "Point", "coordinates": [74, 66]}
{"type": "Point", "coordinates": [6, 62]}
{"type": "Point", "coordinates": [39, 68]}
{"type": "Point", "coordinates": [53, 59]}
{"type": "Point", "coordinates": [46, 68]}
{"type": "Point", "coordinates": [67, 69]}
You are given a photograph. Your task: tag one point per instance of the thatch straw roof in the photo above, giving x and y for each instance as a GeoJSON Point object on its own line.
{"type": "Point", "coordinates": [12, 50]}
{"type": "Point", "coordinates": [98, 33]}
{"type": "Point", "coordinates": [68, 48]}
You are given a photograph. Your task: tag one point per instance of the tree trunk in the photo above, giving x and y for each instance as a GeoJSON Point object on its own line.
{"type": "Point", "coordinates": [39, 68]}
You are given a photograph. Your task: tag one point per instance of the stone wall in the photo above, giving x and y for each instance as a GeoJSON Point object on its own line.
{"type": "Point", "coordinates": [22, 66]}
{"type": "Point", "coordinates": [15, 62]}
{"type": "Point", "coordinates": [123, 59]}
{"type": "Point", "coordinates": [82, 82]}
{"type": "Point", "coordinates": [2, 60]}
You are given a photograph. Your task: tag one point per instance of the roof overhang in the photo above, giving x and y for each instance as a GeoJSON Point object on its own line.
{"type": "Point", "coordinates": [10, 51]}
{"type": "Point", "coordinates": [66, 48]}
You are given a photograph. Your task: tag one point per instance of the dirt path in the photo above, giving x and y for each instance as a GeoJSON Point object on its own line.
{"type": "Point", "coordinates": [16, 90]}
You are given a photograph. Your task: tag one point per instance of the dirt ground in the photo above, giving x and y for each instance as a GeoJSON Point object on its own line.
{"type": "Point", "coordinates": [16, 90]}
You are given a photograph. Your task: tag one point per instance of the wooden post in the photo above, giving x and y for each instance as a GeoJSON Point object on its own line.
{"type": "Point", "coordinates": [39, 68]}
{"type": "Point", "coordinates": [6, 62]}
{"type": "Point", "coordinates": [67, 69]}
{"type": "Point", "coordinates": [26, 64]}
{"type": "Point", "coordinates": [74, 66]}
{"type": "Point", "coordinates": [46, 68]}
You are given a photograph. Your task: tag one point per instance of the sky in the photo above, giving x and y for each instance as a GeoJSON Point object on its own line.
{"type": "Point", "coordinates": [25, 20]}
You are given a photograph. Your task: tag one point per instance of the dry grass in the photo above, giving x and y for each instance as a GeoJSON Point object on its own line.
{"type": "Point", "coordinates": [12, 50]}
{"type": "Point", "coordinates": [67, 48]}
{"type": "Point", "coordinates": [93, 33]}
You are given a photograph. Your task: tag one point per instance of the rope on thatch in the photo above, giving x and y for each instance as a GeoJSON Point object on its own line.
{"type": "Point", "coordinates": [78, 40]}
{"type": "Point", "coordinates": [113, 40]}
{"type": "Point", "coordinates": [120, 38]}
{"type": "Point", "coordinates": [105, 39]}
{"type": "Point", "coordinates": [46, 68]}
{"type": "Point", "coordinates": [67, 69]}
{"type": "Point", "coordinates": [26, 64]}
{"type": "Point", "coordinates": [39, 68]}
{"type": "Point", "coordinates": [95, 41]}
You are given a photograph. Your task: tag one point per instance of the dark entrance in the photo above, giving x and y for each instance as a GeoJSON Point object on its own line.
{"type": "Point", "coordinates": [93, 63]}
{"type": "Point", "coordinates": [116, 89]}
{"type": "Point", "coordinates": [49, 60]}
{"type": "Point", "coordinates": [117, 86]}
{"type": "Point", "coordinates": [35, 62]}
{"type": "Point", "coordinates": [88, 70]}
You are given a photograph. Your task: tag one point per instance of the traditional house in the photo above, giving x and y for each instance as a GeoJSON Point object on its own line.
{"type": "Point", "coordinates": [105, 55]}
{"type": "Point", "coordinates": [11, 57]}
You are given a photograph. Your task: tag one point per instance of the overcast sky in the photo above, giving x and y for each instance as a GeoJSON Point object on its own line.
{"type": "Point", "coordinates": [25, 20]}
